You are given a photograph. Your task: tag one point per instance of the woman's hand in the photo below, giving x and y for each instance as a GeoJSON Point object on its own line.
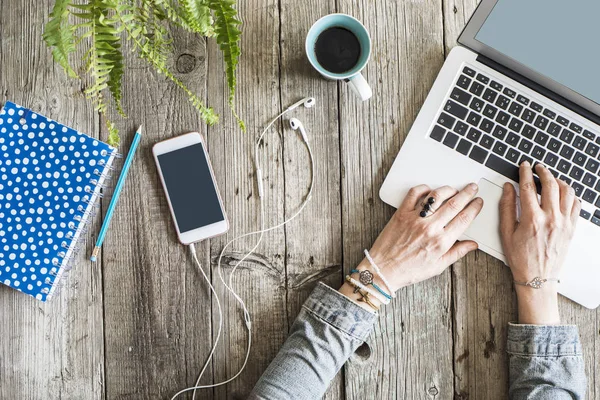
{"type": "Point", "coordinates": [537, 245]}
{"type": "Point", "coordinates": [411, 248]}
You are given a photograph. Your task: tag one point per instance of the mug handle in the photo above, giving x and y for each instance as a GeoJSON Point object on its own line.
{"type": "Point", "coordinates": [358, 84]}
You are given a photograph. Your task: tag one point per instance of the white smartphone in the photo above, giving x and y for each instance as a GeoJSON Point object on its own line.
{"type": "Point", "coordinates": [189, 183]}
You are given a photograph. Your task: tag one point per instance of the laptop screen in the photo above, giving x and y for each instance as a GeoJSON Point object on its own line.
{"type": "Point", "coordinates": [556, 38]}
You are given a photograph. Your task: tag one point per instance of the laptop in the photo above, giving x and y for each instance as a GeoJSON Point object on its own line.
{"type": "Point", "coordinates": [524, 84]}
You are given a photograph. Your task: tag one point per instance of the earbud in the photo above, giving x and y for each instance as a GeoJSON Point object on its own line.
{"type": "Point", "coordinates": [295, 124]}
{"type": "Point", "coordinates": [307, 101]}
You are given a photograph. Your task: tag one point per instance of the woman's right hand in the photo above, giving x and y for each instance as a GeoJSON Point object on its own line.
{"type": "Point", "coordinates": [537, 245]}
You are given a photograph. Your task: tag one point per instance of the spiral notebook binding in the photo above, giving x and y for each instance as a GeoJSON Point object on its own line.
{"type": "Point", "coordinates": [71, 246]}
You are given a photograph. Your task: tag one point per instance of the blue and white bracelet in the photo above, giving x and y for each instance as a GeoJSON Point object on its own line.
{"type": "Point", "coordinates": [379, 274]}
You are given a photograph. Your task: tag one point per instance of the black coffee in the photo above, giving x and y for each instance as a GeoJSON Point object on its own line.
{"type": "Point", "coordinates": [337, 50]}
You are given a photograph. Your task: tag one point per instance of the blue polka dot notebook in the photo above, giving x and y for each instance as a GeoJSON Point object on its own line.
{"type": "Point", "coordinates": [50, 178]}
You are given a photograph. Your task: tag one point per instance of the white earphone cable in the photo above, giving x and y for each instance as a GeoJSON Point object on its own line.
{"type": "Point", "coordinates": [260, 232]}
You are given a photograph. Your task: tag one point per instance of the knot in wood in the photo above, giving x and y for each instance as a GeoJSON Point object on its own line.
{"type": "Point", "coordinates": [186, 63]}
{"type": "Point", "coordinates": [433, 391]}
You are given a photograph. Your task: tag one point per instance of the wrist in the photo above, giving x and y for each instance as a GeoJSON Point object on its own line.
{"type": "Point", "coordinates": [538, 306]}
{"type": "Point", "coordinates": [348, 291]}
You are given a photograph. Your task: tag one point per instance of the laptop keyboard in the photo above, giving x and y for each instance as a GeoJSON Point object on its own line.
{"type": "Point", "coordinates": [499, 127]}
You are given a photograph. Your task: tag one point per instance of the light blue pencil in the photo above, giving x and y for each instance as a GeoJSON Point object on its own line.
{"type": "Point", "coordinates": [117, 193]}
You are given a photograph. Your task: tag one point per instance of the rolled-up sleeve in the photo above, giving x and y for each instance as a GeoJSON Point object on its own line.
{"type": "Point", "coordinates": [545, 362]}
{"type": "Point", "coordinates": [329, 328]}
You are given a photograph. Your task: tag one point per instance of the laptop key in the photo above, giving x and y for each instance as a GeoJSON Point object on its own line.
{"type": "Point", "coordinates": [489, 95]}
{"type": "Point", "coordinates": [575, 127]}
{"type": "Point", "coordinates": [503, 102]}
{"type": "Point", "coordinates": [499, 132]}
{"type": "Point", "coordinates": [525, 146]}
{"type": "Point", "coordinates": [487, 125]}
{"type": "Point", "coordinates": [528, 116]}
{"type": "Point", "coordinates": [525, 158]}
{"type": "Point", "coordinates": [584, 214]}
{"type": "Point", "coordinates": [597, 188]}
{"type": "Point", "coordinates": [554, 129]}
{"type": "Point", "coordinates": [456, 109]}
{"type": "Point", "coordinates": [474, 118]}
{"type": "Point", "coordinates": [463, 147]}
{"type": "Point", "coordinates": [541, 122]}
{"type": "Point", "coordinates": [477, 104]}
{"type": "Point", "coordinates": [566, 179]}
{"type": "Point", "coordinates": [528, 131]}
{"type": "Point", "coordinates": [515, 124]}
{"type": "Point", "coordinates": [512, 139]}
{"type": "Point", "coordinates": [509, 92]}
{"type": "Point", "coordinates": [515, 109]}
{"type": "Point", "coordinates": [555, 173]}
{"type": "Point", "coordinates": [589, 180]}
{"type": "Point", "coordinates": [551, 159]}
{"type": "Point", "coordinates": [474, 135]}
{"type": "Point", "coordinates": [482, 78]}
{"type": "Point", "coordinates": [567, 136]}
{"type": "Point", "coordinates": [592, 150]}
{"type": "Point", "coordinates": [562, 120]}
{"type": "Point", "coordinates": [450, 140]}
{"type": "Point", "coordinates": [500, 148]}
{"type": "Point", "coordinates": [589, 135]}
{"type": "Point", "coordinates": [592, 166]}
{"type": "Point", "coordinates": [589, 196]}
{"type": "Point", "coordinates": [576, 173]}
{"type": "Point", "coordinates": [554, 145]}
{"type": "Point", "coordinates": [579, 143]}
{"type": "Point", "coordinates": [464, 82]}
{"type": "Point", "coordinates": [478, 154]}
{"type": "Point", "coordinates": [476, 88]}
{"type": "Point", "coordinates": [503, 118]}
{"type": "Point", "coordinates": [538, 152]}
{"type": "Point", "coordinates": [579, 159]}
{"type": "Point", "coordinates": [541, 138]}
{"type": "Point", "coordinates": [496, 85]}
{"type": "Point", "coordinates": [550, 114]}
{"type": "Point", "coordinates": [461, 96]}
{"type": "Point", "coordinates": [437, 133]}
{"type": "Point", "coordinates": [469, 71]}
{"type": "Point", "coordinates": [567, 152]}
{"type": "Point", "coordinates": [503, 167]}
{"type": "Point", "coordinates": [487, 141]}
{"type": "Point", "coordinates": [490, 111]}
{"type": "Point", "coordinates": [446, 120]}
{"type": "Point", "coordinates": [578, 189]}
{"type": "Point", "coordinates": [513, 155]}
{"type": "Point", "coordinates": [522, 99]}
{"type": "Point", "coordinates": [564, 166]}
{"type": "Point", "coordinates": [461, 128]}
{"type": "Point", "coordinates": [537, 107]}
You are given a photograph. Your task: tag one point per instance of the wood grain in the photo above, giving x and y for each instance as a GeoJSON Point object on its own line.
{"type": "Point", "coordinates": [53, 349]}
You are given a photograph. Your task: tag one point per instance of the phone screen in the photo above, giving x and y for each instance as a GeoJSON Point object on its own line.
{"type": "Point", "coordinates": [190, 187]}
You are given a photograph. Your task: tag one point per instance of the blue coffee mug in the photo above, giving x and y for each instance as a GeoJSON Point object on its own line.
{"type": "Point", "coordinates": [353, 77]}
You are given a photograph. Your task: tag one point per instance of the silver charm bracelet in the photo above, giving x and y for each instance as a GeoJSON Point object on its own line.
{"type": "Point", "coordinates": [536, 282]}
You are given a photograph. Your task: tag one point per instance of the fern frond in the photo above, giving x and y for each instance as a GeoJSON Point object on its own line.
{"type": "Point", "coordinates": [59, 36]}
{"type": "Point", "coordinates": [196, 14]}
{"type": "Point", "coordinates": [228, 37]}
{"type": "Point", "coordinates": [113, 134]}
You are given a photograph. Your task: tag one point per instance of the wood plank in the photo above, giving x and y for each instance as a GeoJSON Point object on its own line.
{"type": "Point", "coordinates": [54, 349]}
{"type": "Point", "coordinates": [261, 280]}
{"type": "Point", "coordinates": [410, 353]}
{"type": "Point", "coordinates": [156, 330]}
{"type": "Point", "coordinates": [314, 239]}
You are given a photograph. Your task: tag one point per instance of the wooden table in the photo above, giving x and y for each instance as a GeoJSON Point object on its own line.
{"type": "Point", "coordinates": [136, 325]}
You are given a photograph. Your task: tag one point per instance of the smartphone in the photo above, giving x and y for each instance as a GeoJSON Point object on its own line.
{"type": "Point", "coordinates": [189, 183]}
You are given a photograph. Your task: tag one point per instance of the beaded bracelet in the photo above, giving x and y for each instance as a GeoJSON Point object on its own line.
{"type": "Point", "coordinates": [379, 274]}
{"type": "Point", "coordinates": [366, 278]}
{"type": "Point", "coordinates": [364, 295]}
{"type": "Point", "coordinates": [357, 285]}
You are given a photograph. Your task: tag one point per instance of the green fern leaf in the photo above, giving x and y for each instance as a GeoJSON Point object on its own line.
{"type": "Point", "coordinates": [58, 35]}
{"type": "Point", "coordinates": [113, 134]}
{"type": "Point", "coordinates": [196, 15]}
{"type": "Point", "coordinates": [228, 37]}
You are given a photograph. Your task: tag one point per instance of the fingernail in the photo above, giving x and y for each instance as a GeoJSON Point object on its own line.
{"type": "Point", "coordinates": [505, 186]}
{"type": "Point", "coordinates": [525, 164]}
{"type": "Point", "coordinates": [473, 186]}
{"type": "Point", "coordinates": [479, 200]}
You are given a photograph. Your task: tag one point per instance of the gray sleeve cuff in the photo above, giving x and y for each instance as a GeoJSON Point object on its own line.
{"type": "Point", "coordinates": [339, 311]}
{"type": "Point", "coordinates": [543, 341]}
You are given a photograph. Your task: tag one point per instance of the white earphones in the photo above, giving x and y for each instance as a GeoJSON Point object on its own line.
{"type": "Point", "coordinates": [296, 125]}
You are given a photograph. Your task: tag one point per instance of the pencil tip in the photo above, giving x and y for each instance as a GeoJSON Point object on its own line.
{"type": "Point", "coordinates": [140, 129]}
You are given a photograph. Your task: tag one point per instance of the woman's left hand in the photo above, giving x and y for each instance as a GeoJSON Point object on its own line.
{"type": "Point", "coordinates": [411, 248]}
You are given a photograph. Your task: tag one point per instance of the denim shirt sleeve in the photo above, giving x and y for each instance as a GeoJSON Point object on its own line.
{"type": "Point", "coordinates": [329, 328]}
{"type": "Point", "coordinates": [545, 362]}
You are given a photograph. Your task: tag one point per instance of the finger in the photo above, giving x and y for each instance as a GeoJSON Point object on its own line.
{"type": "Point", "coordinates": [550, 191]}
{"type": "Point", "coordinates": [463, 219]}
{"type": "Point", "coordinates": [458, 251]}
{"type": "Point", "coordinates": [439, 195]}
{"type": "Point", "coordinates": [456, 204]}
{"type": "Point", "coordinates": [575, 210]}
{"type": "Point", "coordinates": [508, 210]}
{"type": "Point", "coordinates": [413, 196]}
{"type": "Point", "coordinates": [567, 197]}
{"type": "Point", "coordinates": [527, 190]}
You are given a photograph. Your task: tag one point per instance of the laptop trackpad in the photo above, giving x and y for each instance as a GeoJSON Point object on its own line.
{"type": "Point", "coordinates": [486, 227]}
